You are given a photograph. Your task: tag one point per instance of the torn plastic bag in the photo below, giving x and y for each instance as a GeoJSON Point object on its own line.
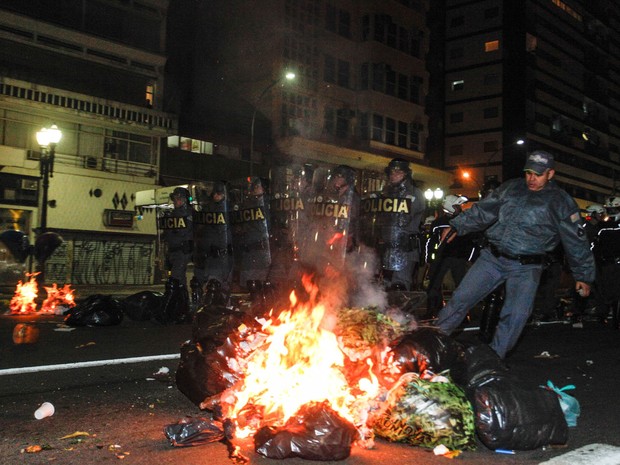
{"type": "Point", "coordinates": [429, 349]}
{"type": "Point", "coordinates": [195, 432]}
{"type": "Point", "coordinates": [316, 432]}
{"type": "Point", "coordinates": [142, 305]}
{"type": "Point", "coordinates": [426, 413]}
{"type": "Point", "coordinates": [569, 405]}
{"type": "Point", "coordinates": [509, 416]}
{"type": "Point", "coordinates": [95, 310]}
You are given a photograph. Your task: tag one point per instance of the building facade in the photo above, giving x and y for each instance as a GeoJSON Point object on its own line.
{"type": "Point", "coordinates": [546, 72]}
{"type": "Point", "coordinates": [95, 69]}
{"type": "Point", "coordinates": [358, 97]}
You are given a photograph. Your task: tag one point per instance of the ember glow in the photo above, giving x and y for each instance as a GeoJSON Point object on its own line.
{"type": "Point", "coordinates": [299, 362]}
{"type": "Point", "coordinates": [25, 298]}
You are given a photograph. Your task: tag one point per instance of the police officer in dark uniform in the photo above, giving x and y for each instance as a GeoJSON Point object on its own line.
{"type": "Point", "coordinates": [177, 233]}
{"type": "Point", "coordinates": [607, 253]}
{"type": "Point", "coordinates": [399, 243]}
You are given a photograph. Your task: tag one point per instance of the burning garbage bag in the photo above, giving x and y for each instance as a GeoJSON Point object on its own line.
{"type": "Point", "coordinates": [427, 413]}
{"type": "Point", "coordinates": [427, 349]}
{"type": "Point", "coordinates": [195, 432]}
{"type": "Point", "coordinates": [95, 310]}
{"type": "Point", "coordinates": [142, 305]}
{"type": "Point", "coordinates": [315, 432]}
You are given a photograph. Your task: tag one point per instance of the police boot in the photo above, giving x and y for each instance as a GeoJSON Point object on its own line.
{"type": "Point", "coordinates": [214, 294]}
{"type": "Point", "coordinates": [491, 309]}
{"type": "Point", "coordinates": [255, 289]}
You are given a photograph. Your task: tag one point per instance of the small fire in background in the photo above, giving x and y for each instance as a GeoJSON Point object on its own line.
{"type": "Point", "coordinates": [25, 298]}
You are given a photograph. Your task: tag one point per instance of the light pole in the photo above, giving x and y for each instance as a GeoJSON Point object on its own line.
{"type": "Point", "coordinates": [47, 139]}
{"type": "Point", "coordinates": [486, 165]}
{"type": "Point", "coordinates": [433, 196]}
{"type": "Point", "coordinates": [289, 76]}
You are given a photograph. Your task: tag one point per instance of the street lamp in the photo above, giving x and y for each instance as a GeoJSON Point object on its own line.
{"type": "Point", "coordinates": [47, 139]}
{"type": "Point", "coordinates": [486, 165]}
{"type": "Point", "coordinates": [289, 76]}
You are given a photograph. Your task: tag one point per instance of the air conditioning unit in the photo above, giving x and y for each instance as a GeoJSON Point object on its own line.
{"type": "Point", "coordinates": [91, 163]}
{"type": "Point", "coordinates": [29, 184]}
{"type": "Point", "coordinates": [33, 154]}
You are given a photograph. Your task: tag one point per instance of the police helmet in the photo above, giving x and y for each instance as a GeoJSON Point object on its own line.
{"type": "Point", "coordinates": [219, 188]}
{"type": "Point", "coordinates": [180, 192]}
{"type": "Point", "coordinates": [612, 207]}
{"type": "Point", "coordinates": [489, 187]}
{"type": "Point", "coordinates": [595, 208]}
{"type": "Point", "coordinates": [398, 164]}
{"type": "Point", "coordinates": [345, 171]}
{"type": "Point", "coordinates": [451, 201]}
{"type": "Point", "coordinates": [263, 182]}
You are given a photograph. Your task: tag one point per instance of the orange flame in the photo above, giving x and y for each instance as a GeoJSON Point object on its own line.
{"type": "Point", "coordinates": [300, 362]}
{"type": "Point", "coordinates": [24, 299]}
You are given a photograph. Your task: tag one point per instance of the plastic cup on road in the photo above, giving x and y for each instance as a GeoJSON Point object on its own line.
{"type": "Point", "coordinates": [45, 410]}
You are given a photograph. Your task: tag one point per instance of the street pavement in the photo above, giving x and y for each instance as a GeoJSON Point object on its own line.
{"type": "Point", "coordinates": [117, 410]}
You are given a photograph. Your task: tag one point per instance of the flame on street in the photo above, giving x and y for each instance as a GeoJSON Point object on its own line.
{"type": "Point", "coordinates": [299, 362]}
{"type": "Point", "coordinates": [25, 298]}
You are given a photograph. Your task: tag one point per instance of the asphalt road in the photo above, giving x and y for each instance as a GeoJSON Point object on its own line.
{"type": "Point", "coordinates": [120, 409]}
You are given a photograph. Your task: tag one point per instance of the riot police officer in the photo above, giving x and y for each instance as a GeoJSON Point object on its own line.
{"type": "Point", "coordinates": [607, 253]}
{"type": "Point", "coordinates": [176, 228]}
{"type": "Point", "coordinates": [400, 211]}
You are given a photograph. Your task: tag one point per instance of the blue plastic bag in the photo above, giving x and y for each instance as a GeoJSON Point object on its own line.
{"type": "Point", "coordinates": [570, 405]}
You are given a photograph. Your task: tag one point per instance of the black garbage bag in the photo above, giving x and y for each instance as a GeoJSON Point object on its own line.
{"type": "Point", "coordinates": [18, 244]}
{"type": "Point", "coordinates": [194, 378]}
{"type": "Point", "coordinates": [142, 305]}
{"type": "Point", "coordinates": [95, 310]}
{"type": "Point", "coordinates": [316, 432]}
{"type": "Point", "coordinates": [213, 325]}
{"type": "Point", "coordinates": [427, 349]}
{"type": "Point", "coordinates": [194, 432]}
{"type": "Point", "coordinates": [482, 363]}
{"type": "Point", "coordinates": [175, 306]}
{"type": "Point", "coordinates": [45, 245]}
{"type": "Point", "coordinates": [510, 416]}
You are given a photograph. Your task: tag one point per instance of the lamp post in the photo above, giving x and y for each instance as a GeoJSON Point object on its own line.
{"type": "Point", "coordinates": [488, 162]}
{"type": "Point", "coordinates": [433, 197]}
{"type": "Point", "coordinates": [47, 139]}
{"type": "Point", "coordinates": [289, 76]}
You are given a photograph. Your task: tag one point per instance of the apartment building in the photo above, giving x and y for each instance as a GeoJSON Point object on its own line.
{"type": "Point", "coordinates": [544, 72]}
{"type": "Point", "coordinates": [95, 69]}
{"type": "Point", "coordinates": [358, 96]}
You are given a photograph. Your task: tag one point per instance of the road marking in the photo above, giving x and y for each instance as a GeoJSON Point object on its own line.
{"type": "Point", "coordinates": [94, 363]}
{"type": "Point", "coordinates": [599, 454]}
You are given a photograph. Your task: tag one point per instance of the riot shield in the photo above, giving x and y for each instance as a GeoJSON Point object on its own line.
{"type": "Point", "coordinates": [249, 215]}
{"type": "Point", "coordinates": [212, 234]}
{"type": "Point", "coordinates": [289, 199]}
{"type": "Point", "coordinates": [327, 236]}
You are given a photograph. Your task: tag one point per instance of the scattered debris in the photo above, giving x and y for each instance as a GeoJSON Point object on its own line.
{"type": "Point", "coordinates": [545, 354]}
{"type": "Point", "coordinates": [32, 449]}
{"type": "Point", "coordinates": [77, 434]}
{"type": "Point", "coordinates": [81, 346]}
{"type": "Point", "coordinates": [45, 410]}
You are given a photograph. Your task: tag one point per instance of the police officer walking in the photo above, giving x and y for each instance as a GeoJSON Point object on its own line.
{"type": "Point", "coordinates": [523, 220]}
{"type": "Point", "coordinates": [399, 243]}
{"type": "Point", "coordinates": [177, 233]}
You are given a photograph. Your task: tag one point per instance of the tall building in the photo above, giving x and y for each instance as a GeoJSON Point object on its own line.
{"type": "Point", "coordinates": [95, 69]}
{"type": "Point", "coordinates": [358, 97]}
{"type": "Point", "coordinates": [546, 72]}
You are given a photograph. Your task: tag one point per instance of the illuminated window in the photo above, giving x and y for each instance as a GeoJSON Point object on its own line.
{"type": "Point", "coordinates": [150, 94]}
{"type": "Point", "coordinates": [491, 46]}
{"type": "Point", "coordinates": [458, 85]}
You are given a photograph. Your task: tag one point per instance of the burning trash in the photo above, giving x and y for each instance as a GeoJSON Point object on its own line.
{"type": "Point", "coordinates": [24, 299]}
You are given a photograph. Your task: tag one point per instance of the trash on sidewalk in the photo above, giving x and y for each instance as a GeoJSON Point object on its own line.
{"type": "Point", "coordinates": [45, 410]}
{"type": "Point", "coordinates": [194, 432]}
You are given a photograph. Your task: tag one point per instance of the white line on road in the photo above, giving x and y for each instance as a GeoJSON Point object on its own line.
{"type": "Point", "coordinates": [94, 363]}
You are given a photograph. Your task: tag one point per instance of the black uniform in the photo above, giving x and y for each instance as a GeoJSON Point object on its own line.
{"type": "Point", "coordinates": [177, 233]}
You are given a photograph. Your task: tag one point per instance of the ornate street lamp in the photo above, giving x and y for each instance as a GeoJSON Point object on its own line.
{"type": "Point", "coordinates": [288, 76]}
{"type": "Point", "coordinates": [47, 139]}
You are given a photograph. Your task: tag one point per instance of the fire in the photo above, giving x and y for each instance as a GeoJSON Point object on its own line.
{"type": "Point", "coordinates": [25, 298]}
{"type": "Point", "coordinates": [300, 362]}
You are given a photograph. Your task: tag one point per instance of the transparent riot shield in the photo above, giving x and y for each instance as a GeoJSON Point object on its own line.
{"type": "Point", "coordinates": [213, 249]}
{"type": "Point", "coordinates": [249, 215]}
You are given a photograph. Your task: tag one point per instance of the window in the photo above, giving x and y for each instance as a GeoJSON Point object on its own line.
{"type": "Point", "coordinates": [403, 86]}
{"type": "Point", "coordinates": [457, 21]}
{"type": "Point", "coordinates": [491, 13]}
{"type": "Point", "coordinates": [491, 46]}
{"type": "Point", "coordinates": [390, 131]}
{"type": "Point", "coordinates": [402, 134]}
{"type": "Point", "coordinates": [456, 117]}
{"type": "Point", "coordinates": [456, 52]}
{"type": "Point", "coordinates": [390, 82]}
{"type": "Point", "coordinates": [490, 146]}
{"type": "Point", "coordinates": [377, 127]}
{"type": "Point", "coordinates": [458, 85]}
{"type": "Point", "coordinates": [343, 73]}
{"type": "Point", "coordinates": [344, 23]}
{"type": "Point", "coordinates": [329, 73]}
{"type": "Point", "coordinates": [491, 112]}
{"type": "Point", "coordinates": [150, 94]}
{"type": "Point", "coordinates": [490, 78]}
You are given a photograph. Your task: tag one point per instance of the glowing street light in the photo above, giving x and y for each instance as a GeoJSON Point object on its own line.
{"type": "Point", "coordinates": [288, 76]}
{"type": "Point", "coordinates": [47, 139]}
